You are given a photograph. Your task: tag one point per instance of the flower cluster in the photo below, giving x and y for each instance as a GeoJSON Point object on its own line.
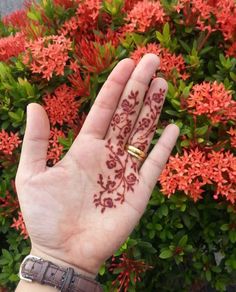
{"type": "Point", "coordinates": [144, 16]}
{"type": "Point", "coordinates": [127, 266]}
{"type": "Point", "coordinates": [8, 204]}
{"type": "Point", "coordinates": [11, 46]}
{"type": "Point", "coordinates": [85, 20]}
{"type": "Point", "coordinates": [17, 19]}
{"type": "Point", "coordinates": [212, 100]}
{"type": "Point", "coordinates": [232, 133]}
{"type": "Point", "coordinates": [62, 106]}
{"type": "Point", "coordinates": [196, 168]}
{"type": "Point", "coordinates": [170, 63]}
{"type": "Point", "coordinates": [19, 224]}
{"type": "Point", "coordinates": [48, 55]}
{"type": "Point", "coordinates": [9, 142]}
{"type": "Point", "coordinates": [55, 149]}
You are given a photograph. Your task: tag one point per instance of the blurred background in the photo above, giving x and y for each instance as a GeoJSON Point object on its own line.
{"type": "Point", "coordinates": [7, 6]}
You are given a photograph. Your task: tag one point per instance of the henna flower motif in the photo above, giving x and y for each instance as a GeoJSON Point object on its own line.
{"type": "Point", "coordinates": [116, 119]}
{"type": "Point", "coordinates": [111, 164]}
{"type": "Point", "coordinates": [108, 202]}
{"type": "Point", "coordinates": [131, 179]}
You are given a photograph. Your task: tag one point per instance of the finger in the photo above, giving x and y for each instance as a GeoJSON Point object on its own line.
{"type": "Point", "coordinates": [33, 157]}
{"type": "Point", "coordinates": [100, 115]}
{"type": "Point", "coordinates": [145, 126]}
{"type": "Point", "coordinates": [131, 100]}
{"type": "Point", "coordinates": [156, 160]}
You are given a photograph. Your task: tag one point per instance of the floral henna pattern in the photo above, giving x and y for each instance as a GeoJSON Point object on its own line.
{"type": "Point", "coordinates": [147, 125]}
{"type": "Point", "coordinates": [123, 170]}
{"type": "Point", "coordinates": [122, 167]}
{"type": "Point", "coordinates": [122, 122]}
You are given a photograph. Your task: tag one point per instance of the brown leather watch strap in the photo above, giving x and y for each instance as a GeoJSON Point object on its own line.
{"type": "Point", "coordinates": [64, 279]}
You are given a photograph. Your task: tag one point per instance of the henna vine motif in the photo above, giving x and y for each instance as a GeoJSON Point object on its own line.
{"type": "Point", "coordinates": [123, 168]}
{"type": "Point", "coordinates": [147, 125]}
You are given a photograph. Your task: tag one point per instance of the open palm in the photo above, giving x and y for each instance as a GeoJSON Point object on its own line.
{"type": "Point", "coordinates": [84, 207]}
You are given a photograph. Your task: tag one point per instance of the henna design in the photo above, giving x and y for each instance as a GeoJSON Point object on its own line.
{"type": "Point", "coordinates": [123, 168]}
{"type": "Point", "coordinates": [147, 125]}
{"type": "Point", "coordinates": [122, 121]}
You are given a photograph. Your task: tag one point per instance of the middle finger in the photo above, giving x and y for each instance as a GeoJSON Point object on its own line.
{"type": "Point", "coordinates": [131, 100]}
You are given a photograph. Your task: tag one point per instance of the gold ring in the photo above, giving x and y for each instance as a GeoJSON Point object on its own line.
{"type": "Point", "coordinates": [135, 152]}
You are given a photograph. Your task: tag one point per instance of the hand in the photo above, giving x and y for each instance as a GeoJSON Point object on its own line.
{"type": "Point", "coordinates": [84, 207]}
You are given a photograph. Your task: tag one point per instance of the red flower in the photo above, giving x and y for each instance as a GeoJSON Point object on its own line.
{"type": "Point", "coordinates": [81, 87]}
{"type": "Point", "coordinates": [226, 18]}
{"type": "Point", "coordinates": [9, 204]}
{"type": "Point", "coordinates": [223, 174]}
{"type": "Point", "coordinates": [95, 57]}
{"type": "Point", "coordinates": [11, 46]}
{"type": "Point", "coordinates": [61, 106]}
{"type": "Point", "coordinates": [65, 3]}
{"type": "Point", "coordinates": [126, 268]}
{"type": "Point", "coordinates": [144, 16]}
{"type": "Point", "coordinates": [197, 168]}
{"type": "Point", "coordinates": [231, 51]}
{"type": "Point", "coordinates": [8, 142]}
{"type": "Point", "coordinates": [48, 55]}
{"type": "Point", "coordinates": [54, 148]}
{"type": "Point", "coordinates": [170, 63]}
{"type": "Point", "coordinates": [232, 133]}
{"type": "Point", "coordinates": [196, 13]}
{"type": "Point", "coordinates": [17, 19]}
{"type": "Point", "coordinates": [188, 173]}
{"type": "Point", "coordinates": [19, 224]}
{"type": "Point", "coordinates": [213, 100]}
{"type": "Point", "coordinates": [87, 13]}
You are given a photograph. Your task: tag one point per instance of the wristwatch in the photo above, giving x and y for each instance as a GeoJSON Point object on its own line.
{"type": "Point", "coordinates": [64, 279]}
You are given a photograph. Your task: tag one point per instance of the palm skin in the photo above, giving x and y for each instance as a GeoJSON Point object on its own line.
{"type": "Point", "coordinates": [58, 203]}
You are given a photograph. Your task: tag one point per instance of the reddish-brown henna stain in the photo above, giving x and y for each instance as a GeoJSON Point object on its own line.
{"type": "Point", "coordinates": [147, 125]}
{"type": "Point", "coordinates": [124, 167]}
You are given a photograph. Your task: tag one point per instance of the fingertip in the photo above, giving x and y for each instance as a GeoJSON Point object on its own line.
{"type": "Point", "coordinates": [175, 129]}
{"type": "Point", "coordinates": [152, 58]}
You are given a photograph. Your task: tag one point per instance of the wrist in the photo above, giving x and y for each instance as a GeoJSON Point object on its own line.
{"type": "Point", "coordinates": [58, 261]}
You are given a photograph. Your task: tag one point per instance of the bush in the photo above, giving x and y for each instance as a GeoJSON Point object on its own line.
{"type": "Point", "coordinates": [59, 53]}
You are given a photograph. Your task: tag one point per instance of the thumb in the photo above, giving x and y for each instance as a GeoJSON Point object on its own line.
{"type": "Point", "coordinates": [35, 143]}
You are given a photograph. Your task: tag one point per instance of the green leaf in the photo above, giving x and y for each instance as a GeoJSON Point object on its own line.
{"type": "Point", "coordinates": [232, 236]}
{"type": "Point", "coordinates": [164, 210]}
{"type": "Point", "coordinates": [165, 254]}
{"type": "Point", "coordinates": [183, 241]}
{"type": "Point", "coordinates": [224, 227]}
{"type": "Point", "coordinates": [208, 275]}
{"type": "Point", "coordinates": [102, 270]}
{"type": "Point", "coordinates": [202, 130]}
